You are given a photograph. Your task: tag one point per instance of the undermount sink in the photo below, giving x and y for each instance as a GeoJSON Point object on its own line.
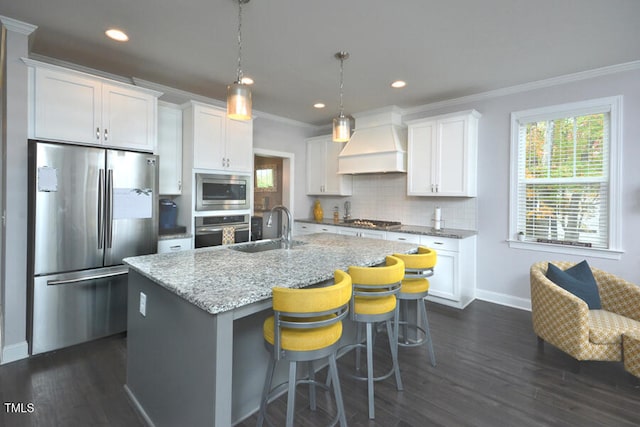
{"type": "Point", "coordinates": [265, 245]}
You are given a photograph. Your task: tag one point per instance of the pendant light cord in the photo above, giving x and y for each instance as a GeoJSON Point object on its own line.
{"type": "Point", "coordinates": [240, 41]}
{"type": "Point", "coordinates": [341, 84]}
{"type": "Point", "coordinates": [342, 56]}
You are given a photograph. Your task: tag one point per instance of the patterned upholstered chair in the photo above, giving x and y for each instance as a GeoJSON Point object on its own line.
{"type": "Point", "coordinates": [565, 321]}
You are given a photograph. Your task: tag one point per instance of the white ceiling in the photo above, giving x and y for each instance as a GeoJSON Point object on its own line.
{"type": "Point", "coordinates": [443, 48]}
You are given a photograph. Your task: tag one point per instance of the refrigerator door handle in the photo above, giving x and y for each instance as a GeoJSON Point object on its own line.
{"type": "Point", "coordinates": [109, 216]}
{"type": "Point", "coordinates": [101, 202]}
{"type": "Point", "coordinates": [86, 278]}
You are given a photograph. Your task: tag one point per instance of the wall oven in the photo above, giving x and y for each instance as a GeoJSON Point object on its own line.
{"type": "Point", "coordinates": [223, 192]}
{"type": "Point", "coordinates": [210, 230]}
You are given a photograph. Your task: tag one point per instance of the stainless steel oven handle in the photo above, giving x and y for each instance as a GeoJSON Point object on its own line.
{"type": "Point", "coordinates": [85, 278]}
{"type": "Point", "coordinates": [207, 230]}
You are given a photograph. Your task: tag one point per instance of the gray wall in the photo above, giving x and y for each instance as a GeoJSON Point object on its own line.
{"type": "Point", "coordinates": [287, 136]}
{"type": "Point", "coordinates": [503, 273]}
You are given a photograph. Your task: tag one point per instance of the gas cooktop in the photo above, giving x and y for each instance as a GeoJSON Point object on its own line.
{"type": "Point", "coordinates": [373, 223]}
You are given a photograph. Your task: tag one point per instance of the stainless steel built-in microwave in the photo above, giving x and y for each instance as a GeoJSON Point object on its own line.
{"type": "Point", "coordinates": [222, 192]}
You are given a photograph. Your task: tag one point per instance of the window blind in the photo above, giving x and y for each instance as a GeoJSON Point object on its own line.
{"type": "Point", "coordinates": [563, 180]}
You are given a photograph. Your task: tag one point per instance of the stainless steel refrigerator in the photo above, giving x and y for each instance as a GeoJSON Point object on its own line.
{"type": "Point", "coordinates": [89, 208]}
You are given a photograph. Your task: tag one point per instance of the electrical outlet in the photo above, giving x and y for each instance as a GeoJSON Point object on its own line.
{"type": "Point", "coordinates": [143, 303]}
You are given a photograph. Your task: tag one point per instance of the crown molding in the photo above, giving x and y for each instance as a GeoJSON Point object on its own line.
{"type": "Point", "coordinates": [47, 60]}
{"type": "Point", "coordinates": [539, 84]}
{"type": "Point", "coordinates": [179, 96]}
{"type": "Point", "coordinates": [17, 26]}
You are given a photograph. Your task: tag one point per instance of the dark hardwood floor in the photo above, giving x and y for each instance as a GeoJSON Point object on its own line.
{"type": "Point", "coordinates": [490, 372]}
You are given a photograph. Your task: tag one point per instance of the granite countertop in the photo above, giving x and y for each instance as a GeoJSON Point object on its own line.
{"type": "Point", "coordinates": [219, 279]}
{"type": "Point", "coordinates": [174, 236]}
{"type": "Point", "coordinates": [453, 233]}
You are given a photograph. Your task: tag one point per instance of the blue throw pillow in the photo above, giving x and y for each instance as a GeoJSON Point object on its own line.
{"type": "Point", "coordinates": [579, 281]}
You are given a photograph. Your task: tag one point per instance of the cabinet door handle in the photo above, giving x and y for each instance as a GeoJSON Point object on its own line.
{"type": "Point", "coordinates": [106, 134]}
{"type": "Point", "coordinates": [98, 133]}
{"type": "Point", "coordinates": [179, 185]}
{"type": "Point", "coordinates": [175, 247]}
{"type": "Point", "coordinates": [438, 243]}
{"type": "Point", "coordinates": [401, 238]}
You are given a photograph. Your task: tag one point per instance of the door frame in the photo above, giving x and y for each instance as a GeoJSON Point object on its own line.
{"type": "Point", "coordinates": [288, 160]}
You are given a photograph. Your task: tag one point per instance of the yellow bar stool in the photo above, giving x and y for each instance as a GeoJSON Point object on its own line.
{"type": "Point", "coordinates": [306, 326]}
{"type": "Point", "coordinates": [374, 300]}
{"type": "Point", "coordinates": [415, 287]}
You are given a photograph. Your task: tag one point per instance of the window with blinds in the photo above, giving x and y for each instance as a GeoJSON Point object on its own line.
{"type": "Point", "coordinates": [562, 186]}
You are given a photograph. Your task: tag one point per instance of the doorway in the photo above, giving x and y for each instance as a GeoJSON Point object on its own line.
{"type": "Point", "coordinates": [273, 185]}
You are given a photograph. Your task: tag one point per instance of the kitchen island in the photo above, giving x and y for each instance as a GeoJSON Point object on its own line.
{"type": "Point", "coordinates": [195, 352]}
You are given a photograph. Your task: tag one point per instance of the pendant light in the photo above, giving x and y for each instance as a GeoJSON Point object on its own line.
{"type": "Point", "coordinates": [342, 123]}
{"type": "Point", "coordinates": [238, 93]}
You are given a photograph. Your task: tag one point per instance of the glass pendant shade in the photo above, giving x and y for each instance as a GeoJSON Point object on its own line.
{"type": "Point", "coordinates": [238, 101]}
{"type": "Point", "coordinates": [341, 128]}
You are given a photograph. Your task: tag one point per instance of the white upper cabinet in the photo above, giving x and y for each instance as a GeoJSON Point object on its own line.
{"type": "Point", "coordinates": [170, 148]}
{"type": "Point", "coordinates": [128, 118]}
{"type": "Point", "coordinates": [239, 145]}
{"type": "Point", "coordinates": [216, 142]}
{"type": "Point", "coordinates": [77, 107]}
{"type": "Point", "coordinates": [322, 168]}
{"type": "Point", "coordinates": [442, 155]}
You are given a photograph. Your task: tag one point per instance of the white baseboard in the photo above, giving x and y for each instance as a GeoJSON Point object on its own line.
{"type": "Point", "coordinates": [14, 352]}
{"type": "Point", "coordinates": [504, 299]}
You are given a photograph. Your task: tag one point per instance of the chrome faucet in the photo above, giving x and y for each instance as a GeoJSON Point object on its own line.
{"type": "Point", "coordinates": [286, 231]}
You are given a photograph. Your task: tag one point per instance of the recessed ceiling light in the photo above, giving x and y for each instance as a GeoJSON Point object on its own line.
{"type": "Point", "coordinates": [398, 84]}
{"type": "Point", "coordinates": [247, 81]}
{"type": "Point", "coordinates": [117, 35]}
{"type": "Point", "coordinates": [319, 105]}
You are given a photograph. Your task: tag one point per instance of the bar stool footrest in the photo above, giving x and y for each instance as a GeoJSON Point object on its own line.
{"type": "Point", "coordinates": [350, 347]}
{"type": "Point", "coordinates": [409, 342]}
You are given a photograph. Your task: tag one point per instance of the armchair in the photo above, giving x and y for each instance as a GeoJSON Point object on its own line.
{"type": "Point", "coordinates": [565, 321]}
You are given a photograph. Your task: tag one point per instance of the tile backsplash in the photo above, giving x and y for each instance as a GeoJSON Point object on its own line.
{"type": "Point", "coordinates": [384, 197]}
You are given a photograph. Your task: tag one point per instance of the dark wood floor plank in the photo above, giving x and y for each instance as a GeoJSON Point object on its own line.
{"type": "Point", "coordinates": [490, 372]}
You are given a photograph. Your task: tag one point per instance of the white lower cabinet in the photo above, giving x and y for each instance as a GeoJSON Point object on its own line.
{"type": "Point", "coordinates": [302, 228]}
{"type": "Point", "coordinates": [403, 237]}
{"type": "Point", "coordinates": [174, 245]}
{"type": "Point", "coordinates": [359, 232]}
{"type": "Point", "coordinates": [454, 280]}
{"type": "Point", "coordinates": [323, 228]}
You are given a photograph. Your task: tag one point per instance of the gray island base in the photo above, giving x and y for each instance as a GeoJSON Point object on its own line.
{"type": "Point", "coordinates": [195, 352]}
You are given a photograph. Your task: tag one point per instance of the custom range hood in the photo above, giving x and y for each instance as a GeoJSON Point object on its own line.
{"type": "Point", "coordinates": [378, 145]}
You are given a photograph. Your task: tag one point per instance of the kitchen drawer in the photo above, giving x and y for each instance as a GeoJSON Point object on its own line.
{"type": "Point", "coordinates": [174, 245]}
{"type": "Point", "coordinates": [301, 228]}
{"type": "Point", "coordinates": [403, 237]}
{"type": "Point", "coordinates": [359, 232]}
{"type": "Point", "coordinates": [322, 228]}
{"type": "Point", "coordinates": [444, 243]}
